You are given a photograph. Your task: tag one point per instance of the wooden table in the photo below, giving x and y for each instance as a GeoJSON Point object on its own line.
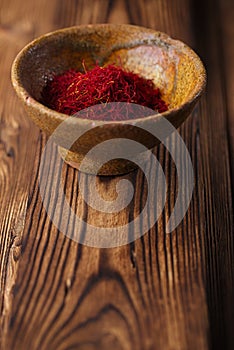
{"type": "Point", "coordinates": [163, 291]}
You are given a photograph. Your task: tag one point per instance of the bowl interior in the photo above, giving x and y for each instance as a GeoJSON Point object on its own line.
{"type": "Point", "coordinates": [173, 67]}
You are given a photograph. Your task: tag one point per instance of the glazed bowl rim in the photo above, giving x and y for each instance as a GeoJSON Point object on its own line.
{"type": "Point", "coordinates": [24, 95]}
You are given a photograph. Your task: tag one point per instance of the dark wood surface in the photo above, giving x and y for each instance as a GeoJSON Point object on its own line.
{"type": "Point", "coordinates": [163, 291]}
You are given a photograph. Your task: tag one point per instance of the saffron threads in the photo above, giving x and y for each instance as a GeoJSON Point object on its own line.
{"type": "Point", "coordinates": [73, 91]}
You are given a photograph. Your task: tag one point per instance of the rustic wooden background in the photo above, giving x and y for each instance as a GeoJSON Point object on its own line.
{"type": "Point", "coordinates": [162, 291]}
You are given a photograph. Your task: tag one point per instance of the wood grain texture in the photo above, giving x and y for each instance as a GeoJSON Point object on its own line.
{"type": "Point", "coordinates": [227, 47]}
{"type": "Point", "coordinates": [163, 291]}
{"type": "Point", "coordinates": [215, 143]}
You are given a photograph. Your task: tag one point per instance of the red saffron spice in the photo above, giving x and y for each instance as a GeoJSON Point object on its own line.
{"type": "Point", "coordinates": [73, 91]}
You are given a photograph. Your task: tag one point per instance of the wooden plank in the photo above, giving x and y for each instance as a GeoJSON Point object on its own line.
{"type": "Point", "coordinates": [160, 292]}
{"type": "Point", "coordinates": [216, 175]}
{"type": "Point", "coordinates": [18, 140]}
{"type": "Point", "coordinates": [227, 52]}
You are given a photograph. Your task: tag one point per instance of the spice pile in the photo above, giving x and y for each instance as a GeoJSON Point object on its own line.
{"type": "Point", "coordinates": [74, 91]}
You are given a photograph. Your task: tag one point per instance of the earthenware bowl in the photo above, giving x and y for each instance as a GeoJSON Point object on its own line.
{"type": "Point", "coordinates": [172, 65]}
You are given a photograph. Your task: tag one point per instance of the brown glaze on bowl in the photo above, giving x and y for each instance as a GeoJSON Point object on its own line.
{"type": "Point", "coordinates": [172, 65]}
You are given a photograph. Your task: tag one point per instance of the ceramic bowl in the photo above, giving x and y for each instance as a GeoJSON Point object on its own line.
{"type": "Point", "coordinates": [173, 66]}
